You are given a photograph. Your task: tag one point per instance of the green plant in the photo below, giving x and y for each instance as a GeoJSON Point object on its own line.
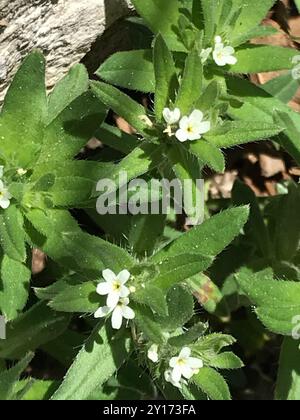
{"type": "Point", "coordinates": [142, 272]}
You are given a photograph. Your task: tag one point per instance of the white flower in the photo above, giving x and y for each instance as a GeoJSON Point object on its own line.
{"type": "Point", "coordinates": [21, 171]}
{"type": "Point", "coordinates": [296, 72]}
{"type": "Point", "coordinates": [120, 311]}
{"type": "Point", "coordinates": [5, 196]}
{"type": "Point", "coordinates": [153, 353]}
{"type": "Point", "coordinates": [192, 127]}
{"type": "Point", "coordinates": [223, 55]}
{"type": "Point", "coordinates": [204, 55]}
{"type": "Point", "coordinates": [168, 378]}
{"type": "Point", "coordinates": [114, 287]}
{"type": "Point", "coordinates": [184, 365]}
{"type": "Point", "coordinates": [1, 171]}
{"type": "Point", "coordinates": [171, 117]}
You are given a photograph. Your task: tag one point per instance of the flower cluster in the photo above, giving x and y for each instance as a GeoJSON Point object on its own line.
{"type": "Point", "coordinates": [181, 368]}
{"type": "Point", "coordinates": [117, 300]}
{"type": "Point", "coordinates": [190, 127]}
{"type": "Point", "coordinates": [5, 196]}
{"type": "Point", "coordinates": [222, 54]}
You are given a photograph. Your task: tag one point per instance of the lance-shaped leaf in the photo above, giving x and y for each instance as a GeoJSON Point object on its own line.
{"type": "Point", "coordinates": [165, 77]}
{"type": "Point", "coordinates": [32, 329]}
{"type": "Point", "coordinates": [212, 384]}
{"type": "Point", "coordinates": [72, 128]}
{"type": "Point", "coordinates": [9, 378]}
{"type": "Point", "coordinates": [239, 132]}
{"type": "Point", "coordinates": [284, 87]}
{"type": "Point", "coordinates": [161, 16]}
{"type": "Point", "coordinates": [74, 84]}
{"type": "Point", "coordinates": [130, 69]}
{"type": "Point", "coordinates": [24, 113]}
{"type": "Point", "coordinates": [123, 105]}
{"type": "Point", "coordinates": [276, 302]}
{"type": "Point", "coordinates": [101, 356]}
{"type": "Point", "coordinates": [208, 154]}
{"type": "Point", "coordinates": [117, 139]}
{"type": "Point", "coordinates": [250, 16]}
{"type": "Point", "coordinates": [12, 235]}
{"type": "Point", "coordinates": [263, 58]}
{"type": "Point", "coordinates": [191, 83]}
{"type": "Point", "coordinates": [14, 287]}
{"type": "Point", "coordinates": [288, 380]}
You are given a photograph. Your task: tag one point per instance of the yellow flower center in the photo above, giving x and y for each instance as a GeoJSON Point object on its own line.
{"type": "Point", "coordinates": [116, 286]}
{"type": "Point", "coordinates": [181, 362]}
{"type": "Point", "coordinates": [1, 194]}
{"type": "Point", "coordinates": [190, 129]}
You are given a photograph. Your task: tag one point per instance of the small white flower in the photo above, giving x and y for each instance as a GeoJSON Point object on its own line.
{"type": "Point", "coordinates": [153, 353]}
{"type": "Point", "coordinates": [5, 196]}
{"type": "Point", "coordinates": [223, 55]}
{"type": "Point", "coordinates": [296, 59]}
{"type": "Point", "coordinates": [171, 117]}
{"type": "Point", "coordinates": [184, 365]}
{"type": "Point", "coordinates": [168, 378]}
{"type": "Point", "coordinates": [21, 171]}
{"type": "Point", "coordinates": [114, 287]}
{"type": "Point", "coordinates": [120, 311]}
{"type": "Point", "coordinates": [204, 55]}
{"type": "Point", "coordinates": [1, 171]}
{"type": "Point", "coordinates": [296, 72]}
{"type": "Point", "coordinates": [192, 127]}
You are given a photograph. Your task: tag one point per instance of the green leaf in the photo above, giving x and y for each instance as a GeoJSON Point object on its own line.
{"type": "Point", "coordinates": [14, 287]}
{"type": "Point", "coordinates": [258, 105]}
{"type": "Point", "coordinates": [179, 267]}
{"type": "Point", "coordinates": [72, 128]}
{"type": "Point", "coordinates": [27, 92]}
{"type": "Point", "coordinates": [288, 380]}
{"type": "Point", "coordinates": [209, 13]}
{"type": "Point", "coordinates": [208, 154]}
{"type": "Point", "coordinates": [212, 384]}
{"type": "Point", "coordinates": [276, 302]}
{"type": "Point", "coordinates": [153, 297]}
{"type": "Point", "coordinates": [250, 16]}
{"type": "Point", "coordinates": [240, 132]}
{"type": "Point", "coordinates": [263, 58]}
{"type": "Point", "coordinates": [145, 232]}
{"type": "Point", "coordinates": [131, 70]}
{"type": "Point", "coordinates": [74, 84]}
{"type": "Point", "coordinates": [101, 356]}
{"type": "Point", "coordinates": [284, 87]}
{"type": "Point", "coordinates": [147, 323]}
{"type": "Point", "coordinates": [298, 4]}
{"type": "Point", "coordinates": [117, 139]}
{"type": "Point", "coordinates": [226, 360]}
{"type": "Point", "coordinates": [209, 238]}
{"type": "Point", "coordinates": [122, 105]}
{"type": "Point", "coordinates": [38, 390]}
{"type": "Point", "coordinates": [209, 97]}
{"type": "Point", "coordinates": [180, 308]}
{"type": "Point", "coordinates": [165, 77]}
{"type": "Point", "coordinates": [287, 229]}
{"type": "Point", "coordinates": [12, 235]}
{"type": "Point", "coordinates": [256, 227]}
{"type": "Point", "coordinates": [191, 83]}
{"type": "Point", "coordinates": [189, 337]}
{"type": "Point", "coordinates": [31, 330]}
{"type": "Point", "coordinates": [161, 16]}
{"type": "Point", "coordinates": [9, 378]}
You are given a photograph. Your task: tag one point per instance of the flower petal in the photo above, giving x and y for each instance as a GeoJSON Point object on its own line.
{"type": "Point", "coordinates": [108, 275]}
{"type": "Point", "coordinates": [116, 319]}
{"type": "Point", "coordinates": [127, 312]}
{"type": "Point", "coordinates": [231, 60]}
{"type": "Point", "coordinates": [187, 372]}
{"type": "Point", "coordinates": [176, 373]}
{"type": "Point", "coordinates": [176, 115]}
{"type": "Point", "coordinates": [196, 117]}
{"type": "Point", "coordinates": [124, 292]}
{"type": "Point", "coordinates": [228, 50]}
{"type": "Point", "coordinates": [113, 299]}
{"type": "Point", "coordinates": [173, 362]}
{"type": "Point", "coordinates": [204, 127]}
{"type": "Point", "coordinates": [181, 135]}
{"type": "Point", "coordinates": [102, 312]}
{"type": "Point", "coordinates": [4, 203]}
{"type": "Point", "coordinates": [184, 123]}
{"type": "Point", "coordinates": [185, 353]}
{"type": "Point", "coordinates": [1, 185]}
{"type": "Point", "coordinates": [123, 276]}
{"type": "Point", "coordinates": [195, 363]}
{"type": "Point", "coordinates": [167, 114]}
{"type": "Point", "coordinates": [103, 288]}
